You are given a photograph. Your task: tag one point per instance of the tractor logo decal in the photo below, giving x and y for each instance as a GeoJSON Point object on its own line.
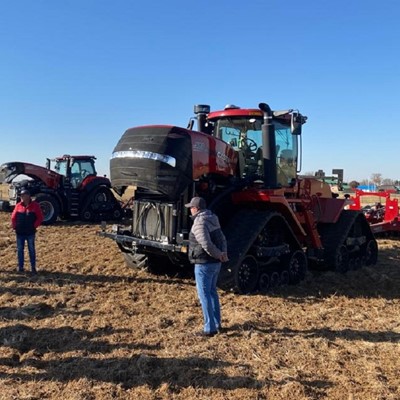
{"type": "Point", "coordinates": [223, 157]}
{"type": "Point", "coordinates": [199, 146]}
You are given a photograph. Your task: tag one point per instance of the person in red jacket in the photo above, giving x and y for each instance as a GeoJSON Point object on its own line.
{"type": "Point", "coordinates": [25, 219]}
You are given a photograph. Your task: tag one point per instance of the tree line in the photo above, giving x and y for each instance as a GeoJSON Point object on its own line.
{"type": "Point", "coordinates": [377, 179]}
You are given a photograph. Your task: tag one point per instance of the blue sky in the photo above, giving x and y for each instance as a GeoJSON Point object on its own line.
{"type": "Point", "coordinates": [75, 74]}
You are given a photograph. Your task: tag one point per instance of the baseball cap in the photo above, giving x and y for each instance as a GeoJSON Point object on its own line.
{"type": "Point", "coordinates": [197, 202]}
{"type": "Point", "coordinates": [25, 191]}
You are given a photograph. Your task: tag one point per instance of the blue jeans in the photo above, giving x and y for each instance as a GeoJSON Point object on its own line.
{"type": "Point", "coordinates": [206, 283]}
{"type": "Point", "coordinates": [30, 239]}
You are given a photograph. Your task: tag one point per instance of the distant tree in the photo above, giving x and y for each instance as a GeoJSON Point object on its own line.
{"type": "Point", "coordinates": [354, 184]}
{"type": "Point", "coordinates": [376, 178]}
{"type": "Point", "coordinates": [387, 181]}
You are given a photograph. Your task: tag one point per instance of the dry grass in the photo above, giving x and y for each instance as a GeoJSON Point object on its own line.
{"type": "Point", "coordinates": [4, 191]}
{"type": "Point", "coordinates": [88, 328]}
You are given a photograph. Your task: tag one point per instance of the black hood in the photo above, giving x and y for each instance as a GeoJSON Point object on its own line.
{"type": "Point", "coordinates": [156, 158]}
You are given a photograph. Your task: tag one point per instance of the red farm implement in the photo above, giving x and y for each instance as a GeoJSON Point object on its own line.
{"type": "Point", "coordinates": [383, 216]}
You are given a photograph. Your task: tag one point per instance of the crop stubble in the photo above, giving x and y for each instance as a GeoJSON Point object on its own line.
{"type": "Point", "coordinates": [89, 328]}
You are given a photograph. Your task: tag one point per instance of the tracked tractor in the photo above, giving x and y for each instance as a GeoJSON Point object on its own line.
{"type": "Point", "coordinates": [68, 187]}
{"type": "Point", "coordinates": [245, 163]}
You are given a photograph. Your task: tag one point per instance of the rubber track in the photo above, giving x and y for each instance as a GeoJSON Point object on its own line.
{"type": "Point", "coordinates": [240, 233]}
{"type": "Point", "coordinates": [335, 235]}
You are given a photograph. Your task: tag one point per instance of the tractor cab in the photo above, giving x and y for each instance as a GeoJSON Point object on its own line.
{"type": "Point", "coordinates": [243, 130]}
{"type": "Point", "coordinates": [75, 168]}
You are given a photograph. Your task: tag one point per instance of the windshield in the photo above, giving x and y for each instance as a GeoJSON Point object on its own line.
{"type": "Point", "coordinates": [286, 154]}
{"type": "Point", "coordinates": [83, 167]}
{"type": "Point", "coordinates": [240, 132]}
{"type": "Point", "coordinates": [80, 169]}
{"type": "Point", "coordinates": [245, 136]}
{"type": "Point", "coordinates": [61, 167]}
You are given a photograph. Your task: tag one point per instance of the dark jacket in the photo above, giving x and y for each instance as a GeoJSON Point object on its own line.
{"type": "Point", "coordinates": [206, 240]}
{"type": "Point", "coordinates": [25, 220]}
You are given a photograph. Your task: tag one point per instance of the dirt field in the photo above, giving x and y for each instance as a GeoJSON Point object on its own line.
{"type": "Point", "coordinates": [88, 328]}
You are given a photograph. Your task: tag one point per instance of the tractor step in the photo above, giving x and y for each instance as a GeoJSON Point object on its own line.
{"type": "Point", "coordinates": [74, 204]}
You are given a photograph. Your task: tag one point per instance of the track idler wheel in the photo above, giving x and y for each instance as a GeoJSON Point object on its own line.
{"type": "Point", "coordinates": [247, 275]}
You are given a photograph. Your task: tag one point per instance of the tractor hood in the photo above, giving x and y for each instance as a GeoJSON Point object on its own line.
{"type": "Point", "coordinates": [10, 170]}
{"type": "Point", "coordinates": [156, 158]}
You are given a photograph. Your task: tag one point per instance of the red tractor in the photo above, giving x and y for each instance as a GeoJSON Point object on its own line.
{"type": "Point", "coordinates": [245, 163]}
{"type": "Point", "coordinates": [68, 187]}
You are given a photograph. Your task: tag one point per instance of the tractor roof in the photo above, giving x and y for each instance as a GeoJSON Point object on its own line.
{"type": "Point", "coordinates": [283, 116]}
{"type": "Point", "coordinates": [67, 157]}
{"type": "Point", "coordinates": [235, 112]}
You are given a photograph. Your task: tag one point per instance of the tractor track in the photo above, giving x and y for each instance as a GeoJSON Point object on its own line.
{"type": "Point", "coordinates": [241, 234]}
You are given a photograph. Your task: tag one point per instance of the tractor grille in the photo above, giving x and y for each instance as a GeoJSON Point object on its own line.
{"type": "Point", "coordinates": [154, 221]}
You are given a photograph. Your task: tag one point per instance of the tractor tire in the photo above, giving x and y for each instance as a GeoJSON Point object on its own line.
{"type": "Point", "coordinates": [50, 208]}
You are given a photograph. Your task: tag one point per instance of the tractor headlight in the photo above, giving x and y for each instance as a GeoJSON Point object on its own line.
{"type": "Point", "coordinates": [149, 155]}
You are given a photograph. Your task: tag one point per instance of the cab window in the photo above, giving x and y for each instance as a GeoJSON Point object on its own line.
{"type": "Point", "coordinates": [286, 154]}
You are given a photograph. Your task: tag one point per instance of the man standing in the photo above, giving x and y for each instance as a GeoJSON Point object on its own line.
{"type": "Point", "coordinates": [207, 249]}
{"type": "Point", "coordinates": [25, 219]}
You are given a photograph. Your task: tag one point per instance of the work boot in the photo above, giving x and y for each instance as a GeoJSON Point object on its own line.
{"type": "Point", "coordinates": [205, 334]}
